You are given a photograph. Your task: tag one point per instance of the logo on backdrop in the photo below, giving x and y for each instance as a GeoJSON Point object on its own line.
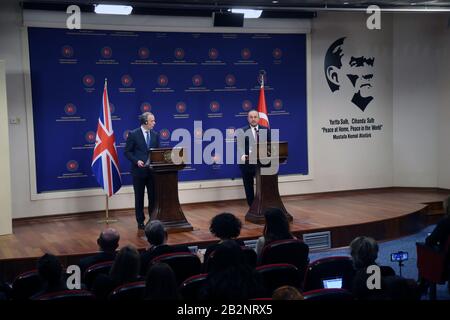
{"type": "Point", "coordinates": [181, 107]}
{"type": "Point", "coordinates": [214, 106]}
{"type": "Point", "coordinates": [126, 80]}
{"type": "Point", "coordinates": [106, 53]}
{"type": "Point", "coordinates": [90, 136]}
{"type": "Point", "coordinates": [163, 80]}
{"type": "Point", "coordinates": [247, 105]}
{"type": "Point", "coordinates": [146, 107]}
{"type": "Point", "coordinates": [179, 53]}
{"type": "Point", "coordinates": [246, 54]}
{"type": "Point", "coordinates": [143, 53]}
{"type": "Point", "coordinates": [72, 165]}
{"type": "Point", "coordinates": [88, 80]}
{"type": "Point", "coordinates": [277, 53]}
{"type": "Point", "coordinates": [197, 80]}
{"type": "Point", "coordinates": [278, 104]}
{"type": "Point", "coordinates": [230, 80]}
{"type": "Point", "coordinates": [213, 53]}
{"type": "Point", "coordinates": [349, 72]}
{"type": "Point", "coordinates": [67, 51]}
{"type": "Point", "coordinates": [164, 134]}
{"type": "Point", "coordinates": [70, 109]}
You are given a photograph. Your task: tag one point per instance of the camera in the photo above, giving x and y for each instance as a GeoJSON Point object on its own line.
{"type": "Point", "coordinates": [399, 256]}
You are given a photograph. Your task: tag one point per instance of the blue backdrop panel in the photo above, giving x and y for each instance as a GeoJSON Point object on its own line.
{"type": "Point", "coordinates": [180, 77]}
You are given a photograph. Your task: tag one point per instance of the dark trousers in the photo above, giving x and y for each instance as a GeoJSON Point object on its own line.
{"type": "Point", "coordinates": [139, 185]}
{"type": "Point", "coordinates": [248, 177]}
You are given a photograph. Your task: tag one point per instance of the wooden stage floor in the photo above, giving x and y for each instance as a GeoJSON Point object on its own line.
{"type": "Point", "coordinates": [382, 213]}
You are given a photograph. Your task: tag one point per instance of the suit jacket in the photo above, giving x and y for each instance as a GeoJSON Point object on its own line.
{"type": "Point", "coordinates": [250, 142]}
{"type": "Point", "coordinates": [136, 149]}
{"type": "Point", "coordinates": [153, 252]}
{"type": "Point", "coordinates": [102, 256]}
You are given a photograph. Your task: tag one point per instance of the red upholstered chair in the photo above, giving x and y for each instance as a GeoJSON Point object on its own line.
{"type": "Point", "coordinates": [328, 295]}
{"type": "Point", "coordinates": [291, 251]}
{"type": "Point", "coordinates": [132, 291]}
{"type": "Point", "coordinates": [433, 265]}
{"type": "Point", "coordinates": [278, 275]}
{"type": "Point", "coordinates": [183, 264]}
{"type": "Point", "coordinates": [26, 285]}
{"type": "Point", "coordinates": [338, 267]}
{"type": "Point", "coordinates": [67, 295]}
{"type": "Point", "coordinates": [191, 287]}
{"type": "Point", "coordinates": [93, 271]}
{"type": "Point", "coordinates": [249, 256]}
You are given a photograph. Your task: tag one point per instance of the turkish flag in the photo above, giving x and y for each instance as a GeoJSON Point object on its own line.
{"type": "Point", "coordinates": [262, 108]}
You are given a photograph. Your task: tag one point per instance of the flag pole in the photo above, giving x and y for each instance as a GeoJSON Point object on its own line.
{"type": "Point", "coordinates": [107, 220]}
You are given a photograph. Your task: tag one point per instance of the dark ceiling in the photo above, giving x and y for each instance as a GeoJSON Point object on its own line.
{"type": "Point", "coordinates": [275, 9]}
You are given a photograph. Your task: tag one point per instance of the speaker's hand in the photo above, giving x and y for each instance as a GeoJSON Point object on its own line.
{"type": "Point", "coordinates": [140, 164]}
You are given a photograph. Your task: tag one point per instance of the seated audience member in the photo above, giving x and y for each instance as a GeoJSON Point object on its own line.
{"type": "Point", "coordinates": [276, 228]}
{"type": "Point", "coordinates": [287, 293]}
{"type": "Point", "coordinates": [364, 252]}
{"type": "Point", "coordinates": [224, 226]}
{"type": "Point", "coordinates": [50, 271]}
{"type": "Point", "coordinates": [108, 242]}
{"type": "Point", "coordinates": [230, 277]}
{"type": "Point", "coordinates": [125, 269]}
{"type": "Point", "coordinates": [160, 283]}
{"type": "Point", "coordinates": [440, 234]}
{"type": "Point", "coordinates": [157, 237]}
{"type": "Point", "coordinates": [5, 291]}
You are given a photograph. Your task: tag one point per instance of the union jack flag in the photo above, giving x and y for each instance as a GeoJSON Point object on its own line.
{"type": "Point", "coordinates": [105, 162]}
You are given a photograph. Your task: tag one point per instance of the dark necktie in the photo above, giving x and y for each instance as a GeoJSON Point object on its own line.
{"type": "Point", "coordinates": [148, 139]}
{"type": "Point", "coordinates": [256, 135]}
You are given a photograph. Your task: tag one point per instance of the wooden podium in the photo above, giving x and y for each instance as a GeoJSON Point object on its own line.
{"type": "Point", "coordinates": [167, 207]}
{"type": "Point", "coordinates": [267, 194]}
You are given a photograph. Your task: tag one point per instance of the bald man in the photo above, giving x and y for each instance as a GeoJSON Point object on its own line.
{"type": "Point", "coordinates": [108, 242]}
{"type": "Point", "coordinates": [253, 134]}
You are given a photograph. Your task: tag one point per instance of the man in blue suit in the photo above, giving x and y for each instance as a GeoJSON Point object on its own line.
{"type": "Point", "coordinates": [139, 142]}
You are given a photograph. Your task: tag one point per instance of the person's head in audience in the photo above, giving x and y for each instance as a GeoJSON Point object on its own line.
{"type": "Point", "coordinates": [227, 254]}
{"type": "Point", "coordinates": [230, 278]}
{"type": "Point", "coordinates": [156, 233]}
{"type": "Point", "coordinates": [126, 266]}
{"type": "Point", "coordinates": [277, 225]}
{"type": "Point", "coordinates": [108, 240]}
{"type": "Point", "coordinates": [160, 283]}
{"type": "Point", "coordinates": [287, 293]}
{"type": "Point", "coordinates": [50, 270]}
{"type": "Point", "coordinates": [225, 226]}
{"type": "Point", "coordinates": [364, 252]}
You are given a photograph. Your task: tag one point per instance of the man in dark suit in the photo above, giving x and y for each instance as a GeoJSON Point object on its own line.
{"type": "Point", "coordinates": [253, 133]}
{"type": "Point", "coordinates": [139, 142]}
{"type": "Point", "coordinates": [108, 242]}
{"type": "Point", "coordinates": [157, 238]}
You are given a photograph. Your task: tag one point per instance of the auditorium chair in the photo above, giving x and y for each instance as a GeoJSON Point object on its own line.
{"type": "Point", "coordinates": [67, 295]}
{"type": "Point", "coordinates": [328, 295]}
{"type": "Point", "coordinates": [183, 264]}
{"type": "Point", "coordinates": [249, 256]}
{"type": "Point", "coordinates": [433, 265]}
{"type": "Point", "coordinates": [191, 288]}
{"type": "Point", "coordinates": [26, 285]}
{"type": "Point", "coordinates": [291, 251]}
{"type": "Point", "coordinates": [129, 292]}
{"type": "Point", "coordinates": [93, 271]}
{"type": "Point", "coordinates": [327, 269]}
{"type": "Point", "coordinates": [278, 275]}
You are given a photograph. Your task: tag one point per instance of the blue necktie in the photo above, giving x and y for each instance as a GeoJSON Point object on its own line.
{"type": "Point", "coordinates": [148, 139]}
